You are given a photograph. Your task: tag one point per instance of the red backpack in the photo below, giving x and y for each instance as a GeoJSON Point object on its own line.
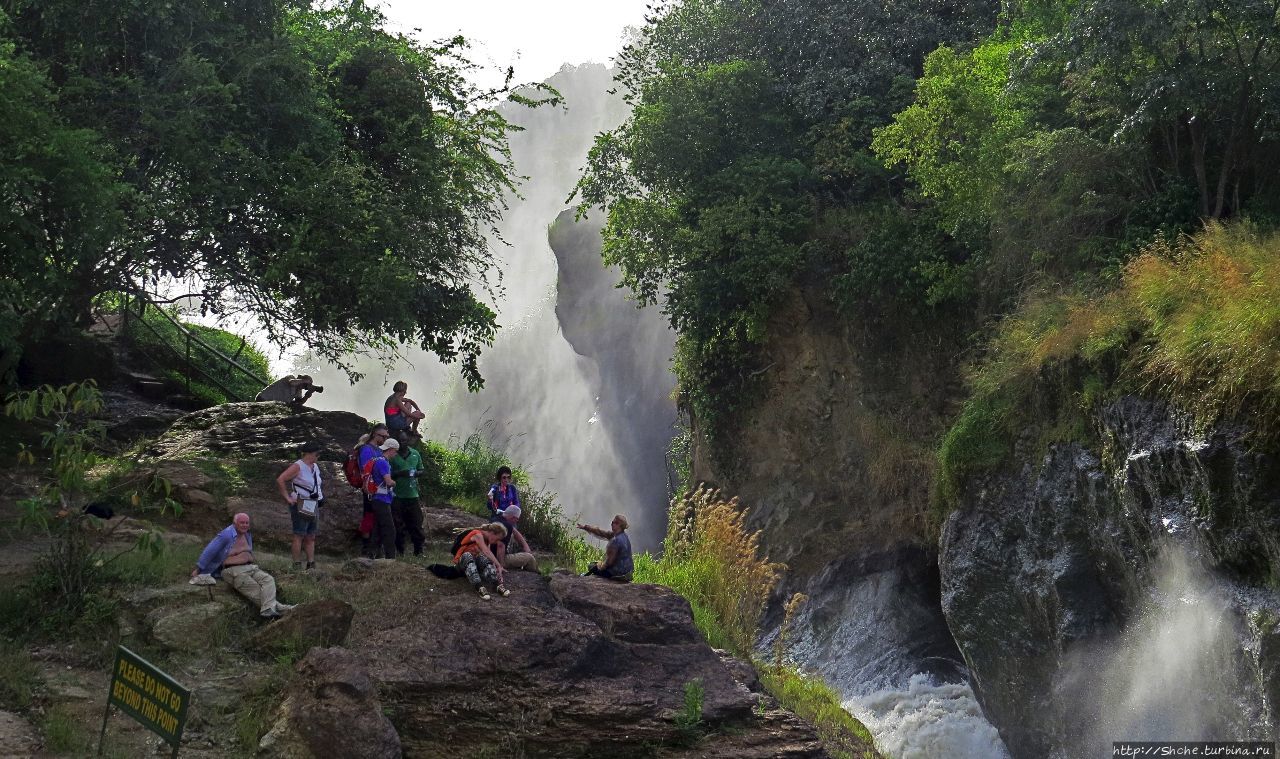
{"type": "Point", "coordinates": [368, 484]}
{"type": "Point", "coordinates": [351, 468]}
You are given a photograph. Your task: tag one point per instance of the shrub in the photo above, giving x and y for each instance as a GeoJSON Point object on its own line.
{"type": "Point", "coordinates": [1195, 321]}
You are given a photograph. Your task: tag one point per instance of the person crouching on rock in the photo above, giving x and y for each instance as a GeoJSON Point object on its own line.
{"type": "Point", "coordinates": [230, 555]}
{"type": "Point", "coordinates": [476, 560]}
{"type": "Point", "coordinates": [301, 489]}
{"type": "Point", "coordinates": [521, 559]}
{"type": "Point", "coordinates": [617, 564]}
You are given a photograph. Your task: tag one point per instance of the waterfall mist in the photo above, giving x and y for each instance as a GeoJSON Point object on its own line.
{"type": "Point", "coordinates": [1172, 674]}
{"type": "Point", "coordinates": [591, 425]}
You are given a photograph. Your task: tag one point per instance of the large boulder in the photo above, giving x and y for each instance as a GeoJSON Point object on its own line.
{"type": "Point", "coordinates": [260, 430]}
{"type": "Point", "coordinates": [331, 711]}
{"type": "Point", "coordinates": [563, 667]}
{"type": "Point", "coordinates": [1079, 584]}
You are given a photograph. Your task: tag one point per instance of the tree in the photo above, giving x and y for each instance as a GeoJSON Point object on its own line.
{"type": "Point", "coordinates": [1196, 82]}
{"type": "Point", "coordinates": [300, 164]}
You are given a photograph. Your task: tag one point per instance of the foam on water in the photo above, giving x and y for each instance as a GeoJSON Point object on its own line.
{"type": "Point", "coordinates": [926, 720]}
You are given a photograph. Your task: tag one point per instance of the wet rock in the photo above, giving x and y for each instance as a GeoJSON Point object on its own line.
{"type": "Point", "coordinates": [321, 623]}
{"type": "Point", "coordinates": [331, 710]}
{"type": "Point", "coordinates": [1049, 563]}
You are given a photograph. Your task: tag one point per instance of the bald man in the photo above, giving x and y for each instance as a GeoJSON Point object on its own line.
{"type": "Point", "coordinates": [230, 555]}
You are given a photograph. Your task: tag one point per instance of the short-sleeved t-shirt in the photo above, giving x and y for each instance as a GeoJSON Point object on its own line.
{"type": "Point", "coordinates": [381, 468]}
{"type": "Point", "coordinates": [406, 468]}
{"type": "Point", "coordinates": [500, 498]}
{"type": "Point", "coordinates": [622, 565]}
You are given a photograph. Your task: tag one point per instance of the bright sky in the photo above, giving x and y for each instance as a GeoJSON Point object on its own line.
{"type": "Point", "coordinates": [535, 36]}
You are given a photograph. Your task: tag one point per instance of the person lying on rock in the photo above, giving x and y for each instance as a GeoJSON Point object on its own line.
{"type": "Point", "coordinates": [302, 490]}
{"type": "Point", "coordinates": [476, 560]}
{"type": "Point", "coordinates": [291, 390]}
{"type": "Point", "coordinates": [230, 555]}
{"type": "Point", "coordinates": [617, 564]}
{"type": "Point", "coordinates": [502, 495]}
{"type": "Point", "coordinates": [518, 560]}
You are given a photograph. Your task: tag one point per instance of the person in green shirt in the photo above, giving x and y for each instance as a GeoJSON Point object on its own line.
{"type": "Point", "coordinates": [405, 510]}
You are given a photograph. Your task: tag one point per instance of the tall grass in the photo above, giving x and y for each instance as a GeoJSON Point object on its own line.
{"type": "Point", "coordinates": [714, 561]}
{"type": "Point", "coordinates": [1195, 321]}
{"type": "Point", "coordinates": [711, 559]}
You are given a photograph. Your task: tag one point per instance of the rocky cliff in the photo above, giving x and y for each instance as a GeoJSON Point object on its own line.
{"type": "Point", "coordinates": [833, 458]}
{"type": "Point", "coordinates": [1124, 590]}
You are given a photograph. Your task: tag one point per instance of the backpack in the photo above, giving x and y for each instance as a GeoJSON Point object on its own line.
{"type": "Point", "coordinates": [457, 539]}
{"type": "Point", "coordinates": [351, 468]}
{"type": "Point", "coordinates": [368, 485]}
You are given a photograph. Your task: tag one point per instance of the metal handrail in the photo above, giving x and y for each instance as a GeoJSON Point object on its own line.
{"type": "Point", "coordinates": [196, 338]}
{"type": "Point", "coordinates": [190, 337]}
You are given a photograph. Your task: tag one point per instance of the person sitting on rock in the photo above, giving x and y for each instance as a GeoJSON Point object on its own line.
{"type": "Point", "coordinates": [476, 560]}
{"type": "Point", "coordinates": [503, 494]}
{"type": "Point", "coordinates": [521, 559]}
{"type": "Point", "coordinates": [230, 555]}
{"type": "Point", "coordinates": [302, 490]}
{"type": "Point", "coordinates": [402, 414]}
{"type": "Point", "coordinates": [617, 564]}
{"type": "Point", "coordinates": [291, 390]}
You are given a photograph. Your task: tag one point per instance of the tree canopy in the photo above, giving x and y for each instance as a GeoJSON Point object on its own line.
{"type": "Point", "coordinates": [297, 162]}
{"type": "Point", "coordinates": [919, 160]}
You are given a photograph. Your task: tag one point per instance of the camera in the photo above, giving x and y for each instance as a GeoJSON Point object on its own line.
{"type": "Point", "coordinates": [317, 389]}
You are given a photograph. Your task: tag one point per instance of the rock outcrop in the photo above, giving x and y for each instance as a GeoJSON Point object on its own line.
{"type": "Point", "coordinates": [321, 624]}
{"type": "Point", "coordinates": [223, 460]}
{"type": "Point", "coordinates": [1128, 595]}
{"type": "Point", "coordinates": [564, 667]}
{"type": "Point", "coordinates": [265, 431]}
{"type": "Point", "coordinates": [331, 710]}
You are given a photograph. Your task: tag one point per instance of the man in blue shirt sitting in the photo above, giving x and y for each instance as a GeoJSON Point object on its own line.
{"type": "Point", "coordinates": [230, 555]}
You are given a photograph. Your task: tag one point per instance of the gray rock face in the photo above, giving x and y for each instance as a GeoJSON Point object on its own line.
{"type": "Point", "coordinates": [267, 430]}
{"type": "Point", "coordinates": [1121, 597]}
{"type": "Point", "coordinates": [17, 737]}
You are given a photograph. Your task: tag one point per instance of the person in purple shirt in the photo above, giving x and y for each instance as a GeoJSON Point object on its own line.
{"type": "Point", "coordinates": [230, 555]}
{"type": "Point", "coordinates": [378, 470]}
{"type": "Point", "coordinates": [503, 494]}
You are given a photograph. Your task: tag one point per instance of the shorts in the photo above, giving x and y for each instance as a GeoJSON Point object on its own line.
{"type": "Point", "coordinates": [304, 525]}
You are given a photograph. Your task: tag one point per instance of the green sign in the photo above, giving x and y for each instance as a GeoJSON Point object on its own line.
{"type": "Point", "coordinates": [148, 695]}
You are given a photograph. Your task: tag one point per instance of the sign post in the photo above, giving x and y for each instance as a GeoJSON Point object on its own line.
{"type": "Point", "coordinates": [138, 688]}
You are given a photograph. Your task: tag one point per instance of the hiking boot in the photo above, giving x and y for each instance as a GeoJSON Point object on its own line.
{"type": "Point", "coordinates": [311, 565]}
{"type": "Point", "coordinates": [282, 608]}
{"type": "Point", "coordinates": [503, 590]}
{"type": "Point", "coordinates": [297, 566]}
{"type": "Point", "coordinates": [269, 614]}
{"type": "Point", "coordinates": [484, 593]}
